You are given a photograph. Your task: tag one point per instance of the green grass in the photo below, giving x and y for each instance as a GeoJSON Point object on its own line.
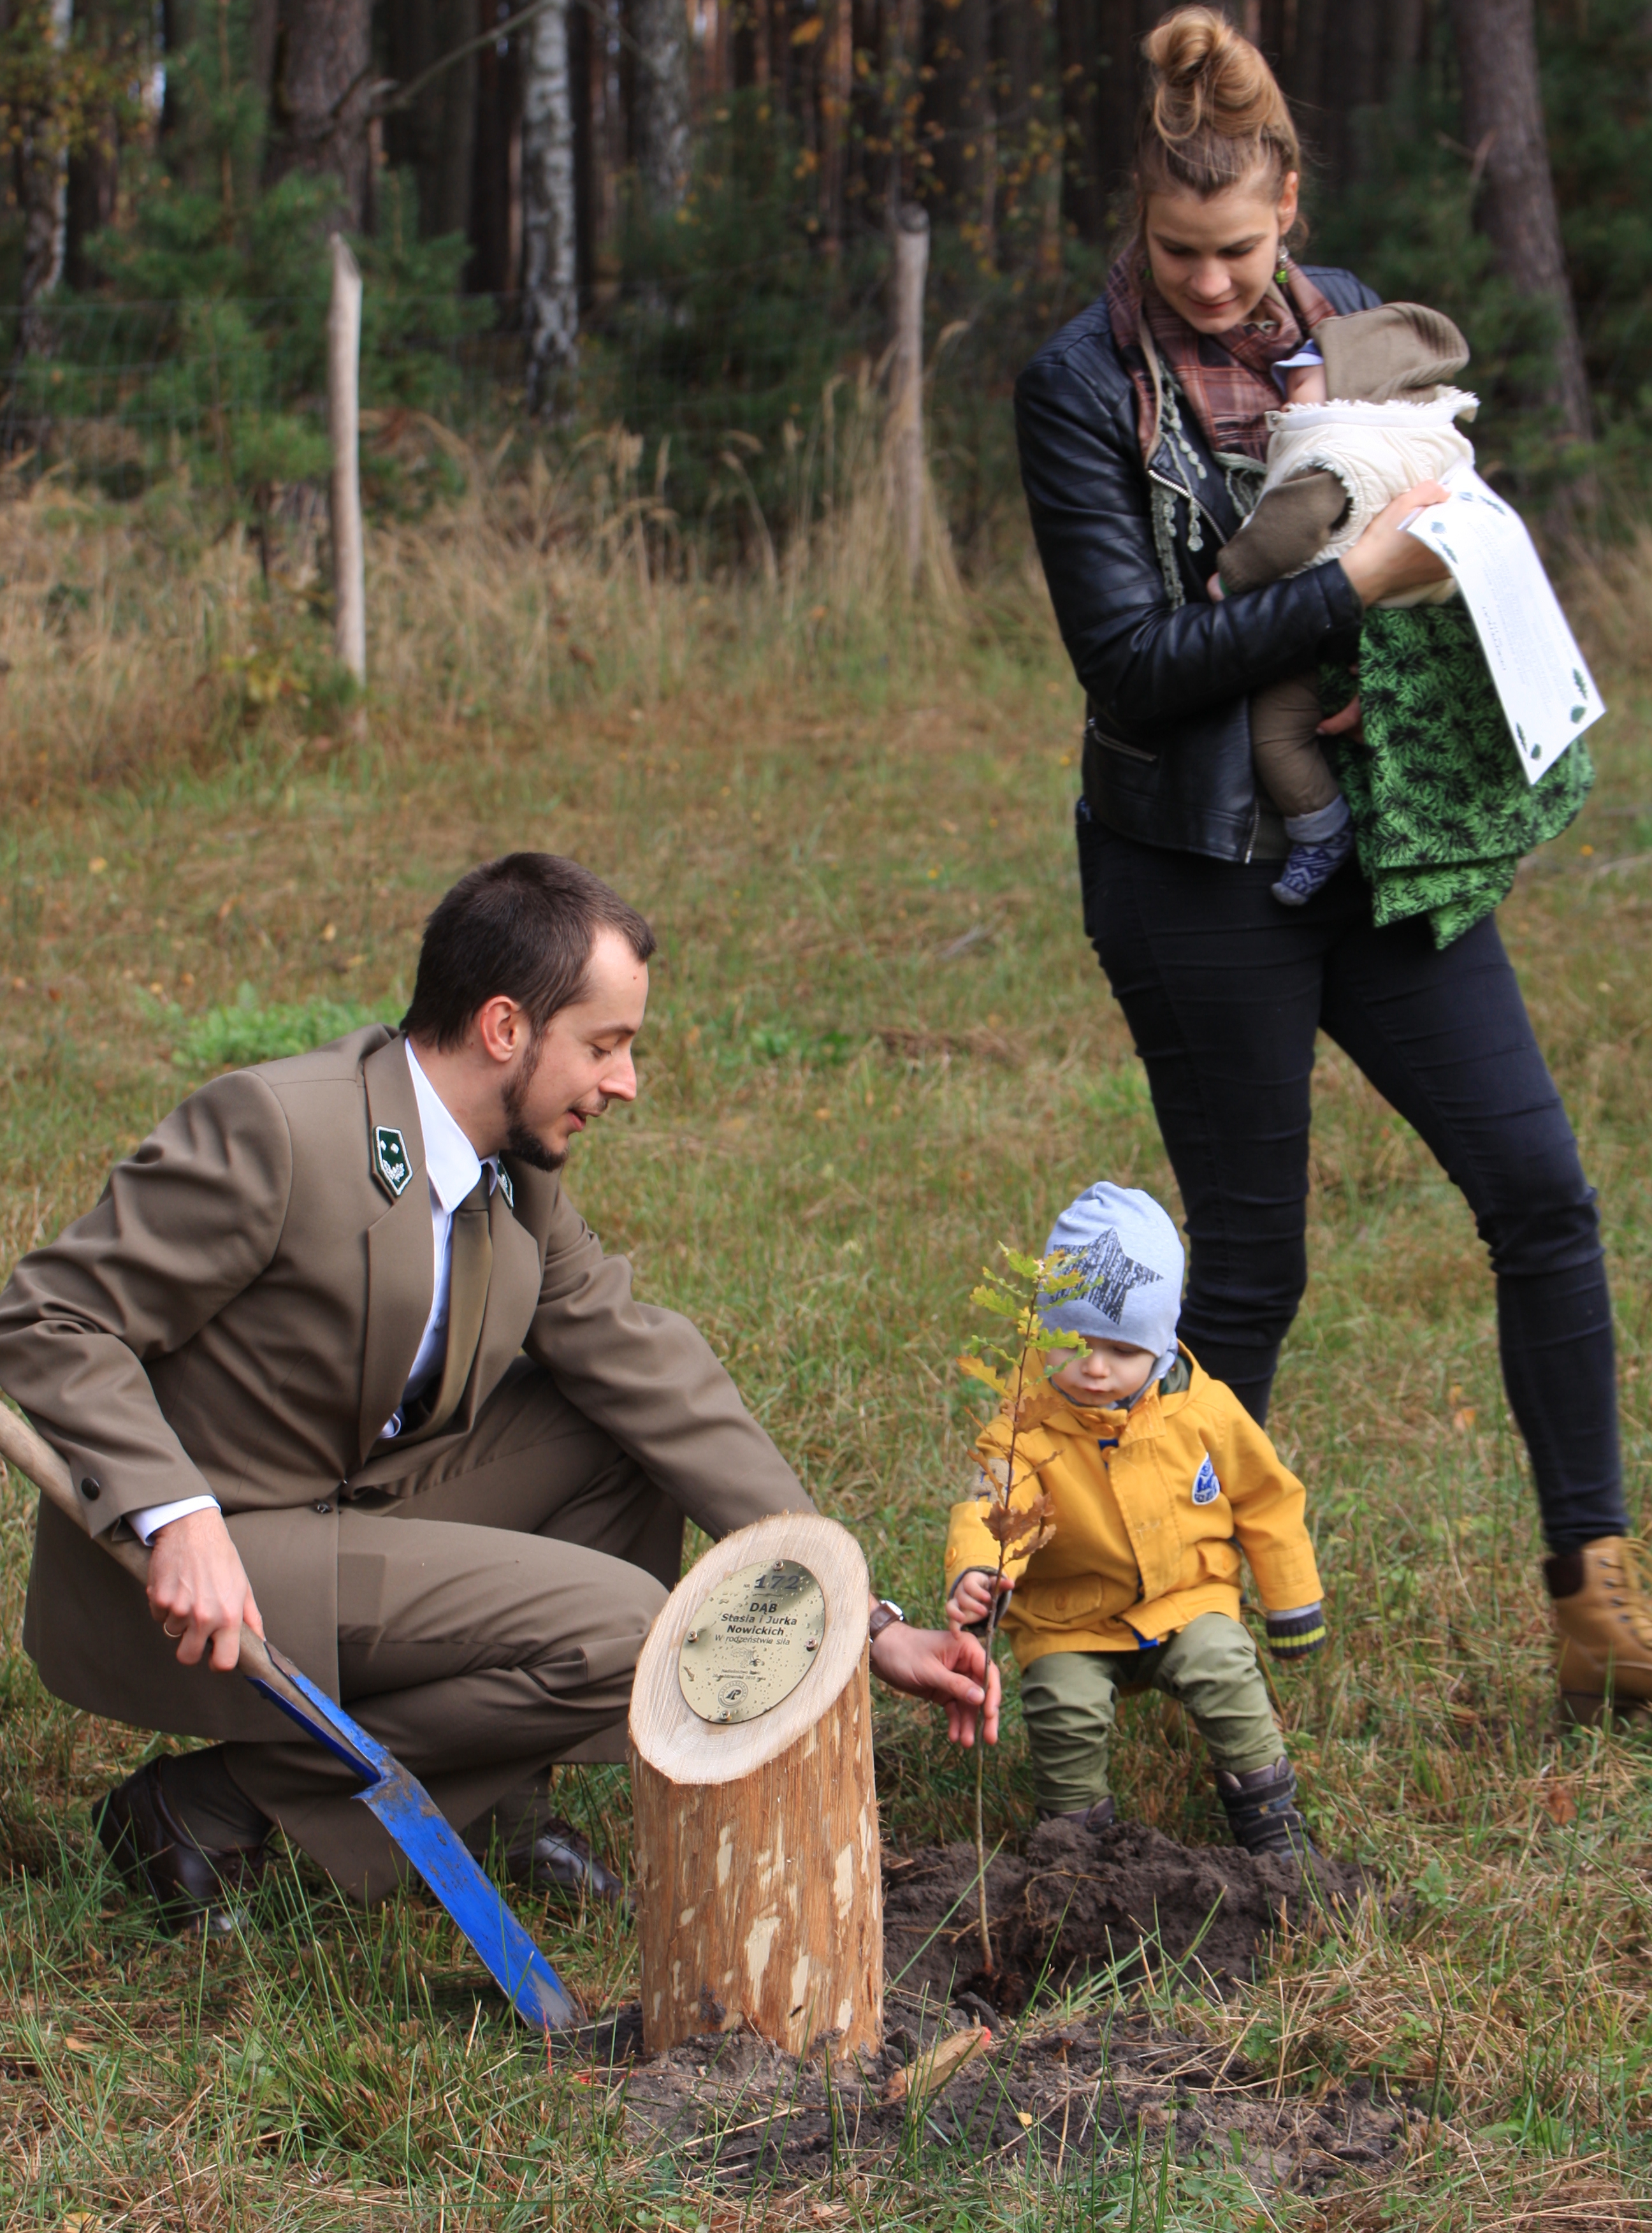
{"type": "Point", "coordinates": [878, 1045]}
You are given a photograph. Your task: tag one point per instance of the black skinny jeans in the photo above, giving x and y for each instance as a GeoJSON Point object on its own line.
{"type": "Point", "coordinates": [1224, 989]}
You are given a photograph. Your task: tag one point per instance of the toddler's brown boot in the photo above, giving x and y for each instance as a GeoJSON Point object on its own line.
{"type": "Point", "coordinates": [1603, 1620]}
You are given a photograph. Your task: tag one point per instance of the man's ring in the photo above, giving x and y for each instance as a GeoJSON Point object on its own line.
{"type": "Point", "coordinates": [166, 1629]}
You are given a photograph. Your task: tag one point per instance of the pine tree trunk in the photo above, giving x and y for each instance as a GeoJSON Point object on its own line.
{"type": "Point", "coordinates": [177, 30]}
{"type": "Point", "coordinates": [661, 120]}
{"type": "Point", "coordinates": [436, 135]}
{"type": "Point", "coordinates": [321, 98]}
{"type": "Point", "coordinates": [1117, 89]}
{"type": "Point", "coordinates": [42, 174]}
{"type": "Point", "coordinates": [837, 64]}
{"type": "Point", "coordinates": [549, 225]}
{"type": "Point", "coordinates": [958, 54]}
{"type": "Point", "coordinates": [1084, 199]}
{"type": "Point", "coordinates": [93, 171]}
{"type": "Point", "coordinates": [1497, 61]}
{"type": "Point", "coordinates": [759, 1901]}
{"type": "Point", "coordinates": [495, 267]}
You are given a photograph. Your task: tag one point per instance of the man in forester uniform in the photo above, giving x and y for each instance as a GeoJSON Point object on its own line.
{"type": "Point", "coordinates": [336, 1344]}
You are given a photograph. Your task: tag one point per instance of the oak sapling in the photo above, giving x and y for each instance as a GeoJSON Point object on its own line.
{"type": "Point", "coordinates": [1012, 1365]}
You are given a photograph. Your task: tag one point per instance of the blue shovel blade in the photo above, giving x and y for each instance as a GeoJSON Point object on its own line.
{"type": "Point", "coordinates": [424, 1834]}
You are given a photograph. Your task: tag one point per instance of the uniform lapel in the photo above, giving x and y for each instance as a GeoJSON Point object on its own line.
{"type": "Point", "coordinates": [400, 1250]}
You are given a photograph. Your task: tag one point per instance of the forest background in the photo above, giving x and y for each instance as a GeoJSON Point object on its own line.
{"type": "Point", "coordinates": [674, 216]}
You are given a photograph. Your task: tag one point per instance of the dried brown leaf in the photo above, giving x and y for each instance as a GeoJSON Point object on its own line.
{"type": "Point", "coordinates": [929, 2072]}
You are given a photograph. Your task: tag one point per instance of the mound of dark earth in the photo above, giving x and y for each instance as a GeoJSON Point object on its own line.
{"type": "Point", "coordinates": [729, 2105]}
{"type": "Point", "coordinates": [1074, 1903]}
{"type": "Point", "coordinates": [732, 2107]}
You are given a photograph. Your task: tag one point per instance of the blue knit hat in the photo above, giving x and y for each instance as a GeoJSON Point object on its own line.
{"type": "Point", "coordinates": [1132, 1261]}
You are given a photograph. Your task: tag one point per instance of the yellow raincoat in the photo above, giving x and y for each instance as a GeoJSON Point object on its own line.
{"type": "Point", "coordinates": [1151, 1509]}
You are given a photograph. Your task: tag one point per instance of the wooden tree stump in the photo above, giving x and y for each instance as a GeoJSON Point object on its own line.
{"type": "Point", "coordinates": [759, 1900]}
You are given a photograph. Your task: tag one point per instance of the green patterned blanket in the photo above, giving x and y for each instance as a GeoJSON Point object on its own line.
{"type": "Point", "coordinates": [1442, 812]}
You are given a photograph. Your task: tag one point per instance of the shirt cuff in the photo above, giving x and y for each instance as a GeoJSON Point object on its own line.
{"type": "Point", "coordinates": [147, 1524]}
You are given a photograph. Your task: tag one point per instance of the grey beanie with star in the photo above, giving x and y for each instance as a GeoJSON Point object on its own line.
{"type": "Point", "coordinates": [1131, 1259]}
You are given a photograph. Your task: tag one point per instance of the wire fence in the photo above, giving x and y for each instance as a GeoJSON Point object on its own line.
{"type": "Point", "coordinates": [720, 372]}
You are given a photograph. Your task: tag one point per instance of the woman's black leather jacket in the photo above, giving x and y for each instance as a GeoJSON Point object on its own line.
{"type": "Point", "coordinates": [1127, 551]}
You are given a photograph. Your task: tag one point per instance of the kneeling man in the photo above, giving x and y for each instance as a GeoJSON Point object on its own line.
{"type": "Point", "coordinates": [337, 1346]}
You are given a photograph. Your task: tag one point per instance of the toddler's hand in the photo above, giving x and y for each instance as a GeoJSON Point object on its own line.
{"type": "Point", "coordinates": [972, 1600]}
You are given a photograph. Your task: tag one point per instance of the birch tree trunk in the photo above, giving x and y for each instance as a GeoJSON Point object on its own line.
{"type": "Point", "coordinates": [43, 181]}
{"type": "Point", "coordinates": [1497, 63]}
{"type": "Point", "coordinates": [549, 226]}
{"type": "Point", "coordinates": [662, 141]}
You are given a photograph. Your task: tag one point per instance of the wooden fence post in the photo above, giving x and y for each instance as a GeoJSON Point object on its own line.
{"type": "Point", "coordinates": [759, 1896]}
{"type": "Point", "coordinates": [343, 424]}
{"type": "Point", "coordinates": [905, 432]}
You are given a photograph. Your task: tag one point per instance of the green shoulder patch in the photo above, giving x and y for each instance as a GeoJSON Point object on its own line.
{"type": "Point", "coordinates": [391, 1166]}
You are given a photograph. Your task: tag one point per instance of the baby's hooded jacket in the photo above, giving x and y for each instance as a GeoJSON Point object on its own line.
{"type": "Point", "coordinates": [1152, 1507]}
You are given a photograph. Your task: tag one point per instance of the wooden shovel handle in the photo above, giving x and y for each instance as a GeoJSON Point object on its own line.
{"type": "Point", "coordinates": [27, 1452]}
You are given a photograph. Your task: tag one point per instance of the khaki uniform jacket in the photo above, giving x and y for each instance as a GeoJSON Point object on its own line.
{"type": "Point", "coordinates": [1152, 1507]}
{"type": "Point", "coordinates": [239, 1314]}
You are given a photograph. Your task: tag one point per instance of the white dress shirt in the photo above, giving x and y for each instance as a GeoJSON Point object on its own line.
{"type": "Point", "coordinates": [452, 1168]}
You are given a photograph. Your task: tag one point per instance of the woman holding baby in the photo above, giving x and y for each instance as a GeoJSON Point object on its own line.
{"type": "Point", "coordinates": [1219, 887]}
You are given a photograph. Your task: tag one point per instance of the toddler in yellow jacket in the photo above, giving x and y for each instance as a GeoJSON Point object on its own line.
{"type": "Point", "coordinates": [1159, 1478]}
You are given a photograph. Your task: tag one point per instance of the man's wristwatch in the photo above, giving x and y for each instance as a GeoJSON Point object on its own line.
{"type": "Point", "coordinates": [885, 1613]}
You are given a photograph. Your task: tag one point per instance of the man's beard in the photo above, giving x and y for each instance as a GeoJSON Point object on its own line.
{"type": "Point", "coordinates": [520, 1141]}
{"type": "Point", "coordinates": [528, 1148]}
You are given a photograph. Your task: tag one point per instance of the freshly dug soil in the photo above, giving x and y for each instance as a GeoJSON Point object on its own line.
{"type": "Point", "coordinates": [729, 2106]}
{"type": "Point", "coordinates": [732, 2107]}
{"type": "Point", "coordinates": [1075, 1902]}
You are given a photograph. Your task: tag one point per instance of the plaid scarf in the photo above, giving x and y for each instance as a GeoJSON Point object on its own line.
{"type": "Point", "coordinates": [1227, 378]}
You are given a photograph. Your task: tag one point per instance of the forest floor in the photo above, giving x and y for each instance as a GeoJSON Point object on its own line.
{"type": "Point", "coordinates": [878, 1047]}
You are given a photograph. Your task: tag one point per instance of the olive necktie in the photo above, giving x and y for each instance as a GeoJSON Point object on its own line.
{"type": "Point", "coordinates": [471, 1265]}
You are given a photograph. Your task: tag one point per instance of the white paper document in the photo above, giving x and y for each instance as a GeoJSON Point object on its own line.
{"type": "Point", "coordinates": [1548, 693]}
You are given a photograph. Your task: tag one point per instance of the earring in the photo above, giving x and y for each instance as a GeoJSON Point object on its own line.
{"type": "Point", "coordinates": [1284, 271]}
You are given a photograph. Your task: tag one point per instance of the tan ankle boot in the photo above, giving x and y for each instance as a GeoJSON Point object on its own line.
{"type": "Point", "coordinates": [1603, 1619]}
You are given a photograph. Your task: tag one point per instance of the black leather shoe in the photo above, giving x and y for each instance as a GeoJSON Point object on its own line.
{"type": "Point", "coordinates": [192, 1885]}
{"type": "Point", "coordinates": [557, 1858]}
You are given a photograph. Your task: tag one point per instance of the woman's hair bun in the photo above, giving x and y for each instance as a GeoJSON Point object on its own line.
{"type": "Point", "coordinates": [1211, 111]}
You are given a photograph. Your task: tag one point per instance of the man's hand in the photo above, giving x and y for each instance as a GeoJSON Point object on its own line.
{"type": "Point", "coordinates": [946, 1668]}
{"type": "Point", "coordinates": [972, 1598]}
{"type": "Point", "coordinates": [199, 1589]}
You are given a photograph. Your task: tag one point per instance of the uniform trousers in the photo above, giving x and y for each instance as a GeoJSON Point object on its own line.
{"type": "Point", "coordinates": [492, 1605]}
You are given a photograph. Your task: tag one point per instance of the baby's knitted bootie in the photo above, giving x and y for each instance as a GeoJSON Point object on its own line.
{"type": "Point", "coordinates": [1320, 843]}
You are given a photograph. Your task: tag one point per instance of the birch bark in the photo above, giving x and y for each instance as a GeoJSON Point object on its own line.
{"type": "Point", "coordinates": [549, 227]}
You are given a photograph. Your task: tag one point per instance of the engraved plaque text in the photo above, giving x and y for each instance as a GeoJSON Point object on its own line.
{"type": "Point", "coordinates": [752, 1641]}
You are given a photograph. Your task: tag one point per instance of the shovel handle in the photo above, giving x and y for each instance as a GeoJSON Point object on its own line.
{"type": "Point", "coordinates": [29, 1454]}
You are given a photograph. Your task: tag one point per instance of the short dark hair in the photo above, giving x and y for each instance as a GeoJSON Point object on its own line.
{"type": "Point", "coordinates": [523, 925]}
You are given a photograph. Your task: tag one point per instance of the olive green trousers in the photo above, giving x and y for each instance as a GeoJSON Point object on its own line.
{"type": "Point", "coordinates": [1069, 1702]}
